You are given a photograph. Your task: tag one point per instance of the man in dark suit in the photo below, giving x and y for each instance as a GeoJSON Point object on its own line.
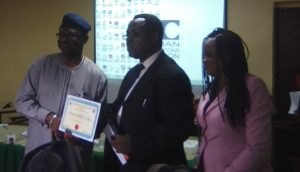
{"type": "Point", "coordinates": [153, 114]}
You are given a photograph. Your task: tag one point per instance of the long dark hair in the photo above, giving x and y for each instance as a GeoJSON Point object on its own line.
{"type": "Point", "coordinates": [230, 52]}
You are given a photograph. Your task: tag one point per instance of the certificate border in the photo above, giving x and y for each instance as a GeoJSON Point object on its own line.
{"type": "Point", "coordinates": [85, 102]}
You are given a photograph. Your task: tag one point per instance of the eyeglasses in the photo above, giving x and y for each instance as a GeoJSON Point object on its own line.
{"type": "Point", "coordinates": [67, 36]}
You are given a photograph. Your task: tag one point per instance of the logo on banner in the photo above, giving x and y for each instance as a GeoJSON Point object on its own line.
{"type": "Point", "coordinates": [171, 43]}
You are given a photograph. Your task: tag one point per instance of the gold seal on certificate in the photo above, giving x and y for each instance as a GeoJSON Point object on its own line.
{"type": "Point", "coordinates": [81, 117]}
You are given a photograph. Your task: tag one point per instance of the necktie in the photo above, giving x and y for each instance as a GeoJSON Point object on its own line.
{"type": "Point", "coordinates": [137, 69]}
{"type": "Point", "coordinates": [135, 73]}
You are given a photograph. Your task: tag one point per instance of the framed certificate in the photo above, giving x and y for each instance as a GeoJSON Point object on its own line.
{"type": "Point", "coordinates": [81, 117]}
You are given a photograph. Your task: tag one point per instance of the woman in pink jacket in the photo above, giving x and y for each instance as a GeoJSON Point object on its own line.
{"type": "Point", "coordinates": [234, 111]}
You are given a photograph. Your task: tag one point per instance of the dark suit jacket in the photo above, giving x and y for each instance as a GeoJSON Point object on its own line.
{"type": "Point", "coordinates": [158, 116]}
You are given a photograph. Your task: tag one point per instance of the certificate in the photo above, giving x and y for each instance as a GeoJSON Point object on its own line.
{"type": "Point", "coordinates": [81, 117]}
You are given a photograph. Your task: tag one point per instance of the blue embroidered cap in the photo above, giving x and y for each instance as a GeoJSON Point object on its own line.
{"type": "Point", "coordinates": [75, 20]}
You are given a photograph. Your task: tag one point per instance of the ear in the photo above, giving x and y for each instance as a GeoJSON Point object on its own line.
{"type": "Point", "coordinates": [155, 37]}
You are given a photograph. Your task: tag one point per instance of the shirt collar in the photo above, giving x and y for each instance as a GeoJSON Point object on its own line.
{"type": "Point", "coordinates": [148, 62]}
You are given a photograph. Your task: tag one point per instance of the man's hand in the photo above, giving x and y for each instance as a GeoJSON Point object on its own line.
{"type": "Point", "coordinates": [53, 121]}
{"type": "Point", "coordinates": [69, 137]}
{"type": "Point", "coordinates": [121, 143]}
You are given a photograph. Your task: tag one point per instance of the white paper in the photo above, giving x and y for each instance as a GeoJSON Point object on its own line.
{"type": "Point", "coordinates": [295, 98]}
{"type": "Point", "coordinates": [81, 117]}
{"type": "Point", "coordinates": [108, 131]}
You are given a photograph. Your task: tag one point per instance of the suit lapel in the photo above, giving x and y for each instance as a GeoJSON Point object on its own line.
{"type": "Point", "coordinates": [127, 83]}
{"type": "Point", "coordinates": [217, 101]}
{"type": "Point", "coordinates": [147, 79]}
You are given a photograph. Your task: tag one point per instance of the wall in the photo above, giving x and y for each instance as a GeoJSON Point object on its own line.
{"type": "Point", "coordinates": [253, 21]}
{"type": "Point", "coordinates": [28, 30]}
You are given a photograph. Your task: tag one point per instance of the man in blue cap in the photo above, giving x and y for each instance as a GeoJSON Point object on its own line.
{"type": "Point", "coordinates": [52, 77]}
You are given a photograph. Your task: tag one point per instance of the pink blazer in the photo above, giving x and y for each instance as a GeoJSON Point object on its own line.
{"type": "Point", "coordinates": [246, 150]}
